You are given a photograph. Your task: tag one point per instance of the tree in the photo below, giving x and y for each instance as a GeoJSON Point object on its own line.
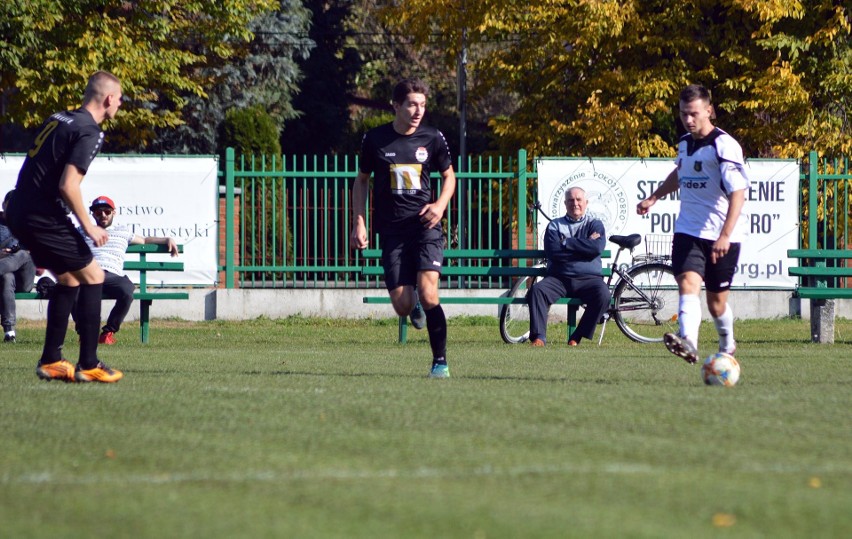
{"type": "Point", "coordinates": [602, 77]}
{"type": "Point", "coordinates": [264, 72]}
{"type": "Point", "coordinates": [350, 74]}
{"type": "Point", "coordinates": [48, 48]}
{"type": "Point", "coordinates": [323, 122]}
{"type": "Point", "coordinates": [251, 131]}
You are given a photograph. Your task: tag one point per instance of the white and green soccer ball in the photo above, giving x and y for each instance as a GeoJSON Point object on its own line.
{"type": "Point", "coordinates": [720, 369]}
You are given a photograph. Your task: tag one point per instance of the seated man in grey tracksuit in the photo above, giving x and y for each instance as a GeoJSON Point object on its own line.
{"type": "Point", "coordinates": [573, 245]}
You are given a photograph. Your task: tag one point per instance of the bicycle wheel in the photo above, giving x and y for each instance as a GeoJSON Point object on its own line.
{"type": "Point", "coordinates": [645, 304]}
{"type": "Point", "coordinates": [515, 317]}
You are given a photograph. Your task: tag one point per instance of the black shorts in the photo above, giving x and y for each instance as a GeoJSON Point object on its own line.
{"type": "Point", "coordinates": [403, 256]}
{"type": "Point", "coordinates": [693, 254]}
{"type": "Point", "coordinates": [53, 242]}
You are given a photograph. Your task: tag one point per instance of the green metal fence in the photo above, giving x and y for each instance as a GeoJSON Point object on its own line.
{"type": "Point", "coordinates": [295, 214]}
{"type": "Point", "coordinates": [826, 210]}
{"type": "Point", "coordinates": [295, 218]}
{"type": "Point", "coordinates": [826, 203]}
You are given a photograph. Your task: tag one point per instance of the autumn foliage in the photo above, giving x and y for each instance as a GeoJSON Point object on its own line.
{"type": "Point", "coordinates": [601, 77]}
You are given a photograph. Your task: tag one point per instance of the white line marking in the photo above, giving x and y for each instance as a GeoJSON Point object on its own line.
{"type": "Point", "coordinates": [265, 476]}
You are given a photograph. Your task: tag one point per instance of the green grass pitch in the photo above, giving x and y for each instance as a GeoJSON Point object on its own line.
{"type": "Point", "coordinates": [323, 428]}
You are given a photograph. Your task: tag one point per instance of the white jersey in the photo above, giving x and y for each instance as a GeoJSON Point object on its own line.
{"type": "Point", "coordinates": [708, 171]}
{"type": "Point", "coordinates": [111, 256]}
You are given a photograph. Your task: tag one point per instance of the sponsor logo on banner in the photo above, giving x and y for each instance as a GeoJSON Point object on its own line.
{"type": "Point", "coordinates": [607, 198]}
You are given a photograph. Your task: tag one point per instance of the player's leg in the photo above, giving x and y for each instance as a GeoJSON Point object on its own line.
{"type": "Point", "coordinates": [539, 298]}
{"type": "Point", "coordinates": [688, 262]}
{"type": "Point", "coordinates": [718, 282]}
{"type": "Point", "coordinates": [436, 322]}
{"type": "Point", "coordinates": [119, 288]}
{"type": "Point", "coordinates": [429, 258]}
{"type": "Point", "coordinates": [57, 246]}
{"type": "Point", "coordinates": [689, 309]}
{"type": "Point", "coordinates": [403, 299]}
{"type": "Point", "coordinates": [88, 281]}
{"type": "Point", "coordinates": [400, 274]}
{"type": "Point", "coordinates": [89, 367]}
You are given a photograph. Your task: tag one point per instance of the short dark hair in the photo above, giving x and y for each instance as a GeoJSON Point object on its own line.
{"type": "Point", "coordinates": [693, 92]}
{"type": "Point", "coordinates": [409, 86]}
{"type": "Point", "coordinates": [100, 83]}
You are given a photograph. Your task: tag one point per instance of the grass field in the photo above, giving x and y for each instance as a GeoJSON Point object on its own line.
{"type": "Point", "coordinates": [320, 428]}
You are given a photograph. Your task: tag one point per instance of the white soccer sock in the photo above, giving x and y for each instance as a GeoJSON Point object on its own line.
{"type": "Point", "coordinates": [689, 318]}
{"type": "Point", "coordinates": [725, 329]}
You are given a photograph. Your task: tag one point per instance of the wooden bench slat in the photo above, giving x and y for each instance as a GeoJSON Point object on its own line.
{"type": "Point", "coordinates": [472, 271]}
{"type": "Point", "coordinates": [480, 271]}
{"type": "Point", "coordinates": [481, 253]}
{"type": "Point", "coordinates": [149, 248]}
{"type": "Point", "coordinates": [820, 271]}
{"type": "Point", "coordinates": [160, 295]}
{"type": "Point", "coordinates": [499, 300]}
{"type": "Point", "coordinates": [819, 253]}
{"type": "Point", "coordinates": [150, 265]}
{"type": "Point", "coordinates": [136, 295]}
{"type": "Point", "coordinates": [813, 292]}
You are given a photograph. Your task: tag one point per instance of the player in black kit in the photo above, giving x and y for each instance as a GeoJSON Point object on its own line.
{"type": "Point", "coordinates": [400, 156]}
{"type": "Point", "coordinates": [48, 188]}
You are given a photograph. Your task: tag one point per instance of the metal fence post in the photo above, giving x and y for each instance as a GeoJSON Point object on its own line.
{"type": "Point", "coordinates": [229, 218]}
{"type": "Point", "coordinates": [522, 199]}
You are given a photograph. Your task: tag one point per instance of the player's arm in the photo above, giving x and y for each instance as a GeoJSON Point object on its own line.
{"type": "Point", "coordinates": [670, 185]}
{"type": "Point", "coordinates": [358, 237]}
{"type": "Point", "coordinates": [170, 242]}
{"type": "Point", "coordinates": [431, 214]}
{"type": "Point", "coordinates": [69, 190]}
{"type": "Point", "coordinates": [735, 207]}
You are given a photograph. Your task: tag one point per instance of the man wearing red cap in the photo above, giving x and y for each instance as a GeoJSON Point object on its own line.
{"type": "Point", "coordinates": [110, 256]}
{"type": "Point", "coordinates": [48, 189]}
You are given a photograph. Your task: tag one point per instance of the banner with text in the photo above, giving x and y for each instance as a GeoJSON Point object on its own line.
{"type": "Point", "coordinates": [615, 186]}
{"type": "Point", "coordinates": [156, 196]}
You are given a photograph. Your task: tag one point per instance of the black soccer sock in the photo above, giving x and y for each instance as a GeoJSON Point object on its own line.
{"type": "Point", "coordinates": [436, 324]}
{"type": "Point", "coordinates": [89, 323]}
{"type": "Point", "coordinates": [58, 310]}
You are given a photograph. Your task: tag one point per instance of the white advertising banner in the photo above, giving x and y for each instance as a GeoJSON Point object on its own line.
{"type": "Point", "coordinates": [615, 186]}
{"type": "Point", "coordinates": [156, 196]}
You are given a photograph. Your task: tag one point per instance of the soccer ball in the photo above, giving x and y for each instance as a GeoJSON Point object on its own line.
{"type": "Point", "coordinates": [720, 369]}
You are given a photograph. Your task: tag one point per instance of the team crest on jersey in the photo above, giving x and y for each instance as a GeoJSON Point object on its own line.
{"type": "Point", "coordinates": [421, 155]}
{"type": "Point", "coordinates": [697, 166]}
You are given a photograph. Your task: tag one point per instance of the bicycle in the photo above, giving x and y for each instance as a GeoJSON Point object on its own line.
{"type": "Point", "coordinates": [644, 302]}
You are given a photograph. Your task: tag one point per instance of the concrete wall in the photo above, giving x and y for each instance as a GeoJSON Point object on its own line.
{"type": "Point", "coordinates": [243, 304]}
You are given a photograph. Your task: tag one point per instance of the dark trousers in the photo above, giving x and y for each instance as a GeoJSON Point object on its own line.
{"type": "Point", "coordinates": [17, 274]}
{"type": "Point", "coordinates": [591, 290]}
{"type": "Point", "coordinates": [119, 288]}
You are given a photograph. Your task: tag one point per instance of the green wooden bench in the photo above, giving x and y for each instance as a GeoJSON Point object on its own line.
{"type": "Point", "coordinates": [143, 295]}
{"type": "Point", "coordinates": [819, 281]}
{"type": "Point", "coordinates": [468, 263]}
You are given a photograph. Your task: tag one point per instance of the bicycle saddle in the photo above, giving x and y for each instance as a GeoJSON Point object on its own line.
{"type": "Point", "coordinates": [626, 242]}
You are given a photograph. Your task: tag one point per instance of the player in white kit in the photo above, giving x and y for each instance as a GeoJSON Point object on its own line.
{"type": "Point", "coordinates": [711, 177]}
